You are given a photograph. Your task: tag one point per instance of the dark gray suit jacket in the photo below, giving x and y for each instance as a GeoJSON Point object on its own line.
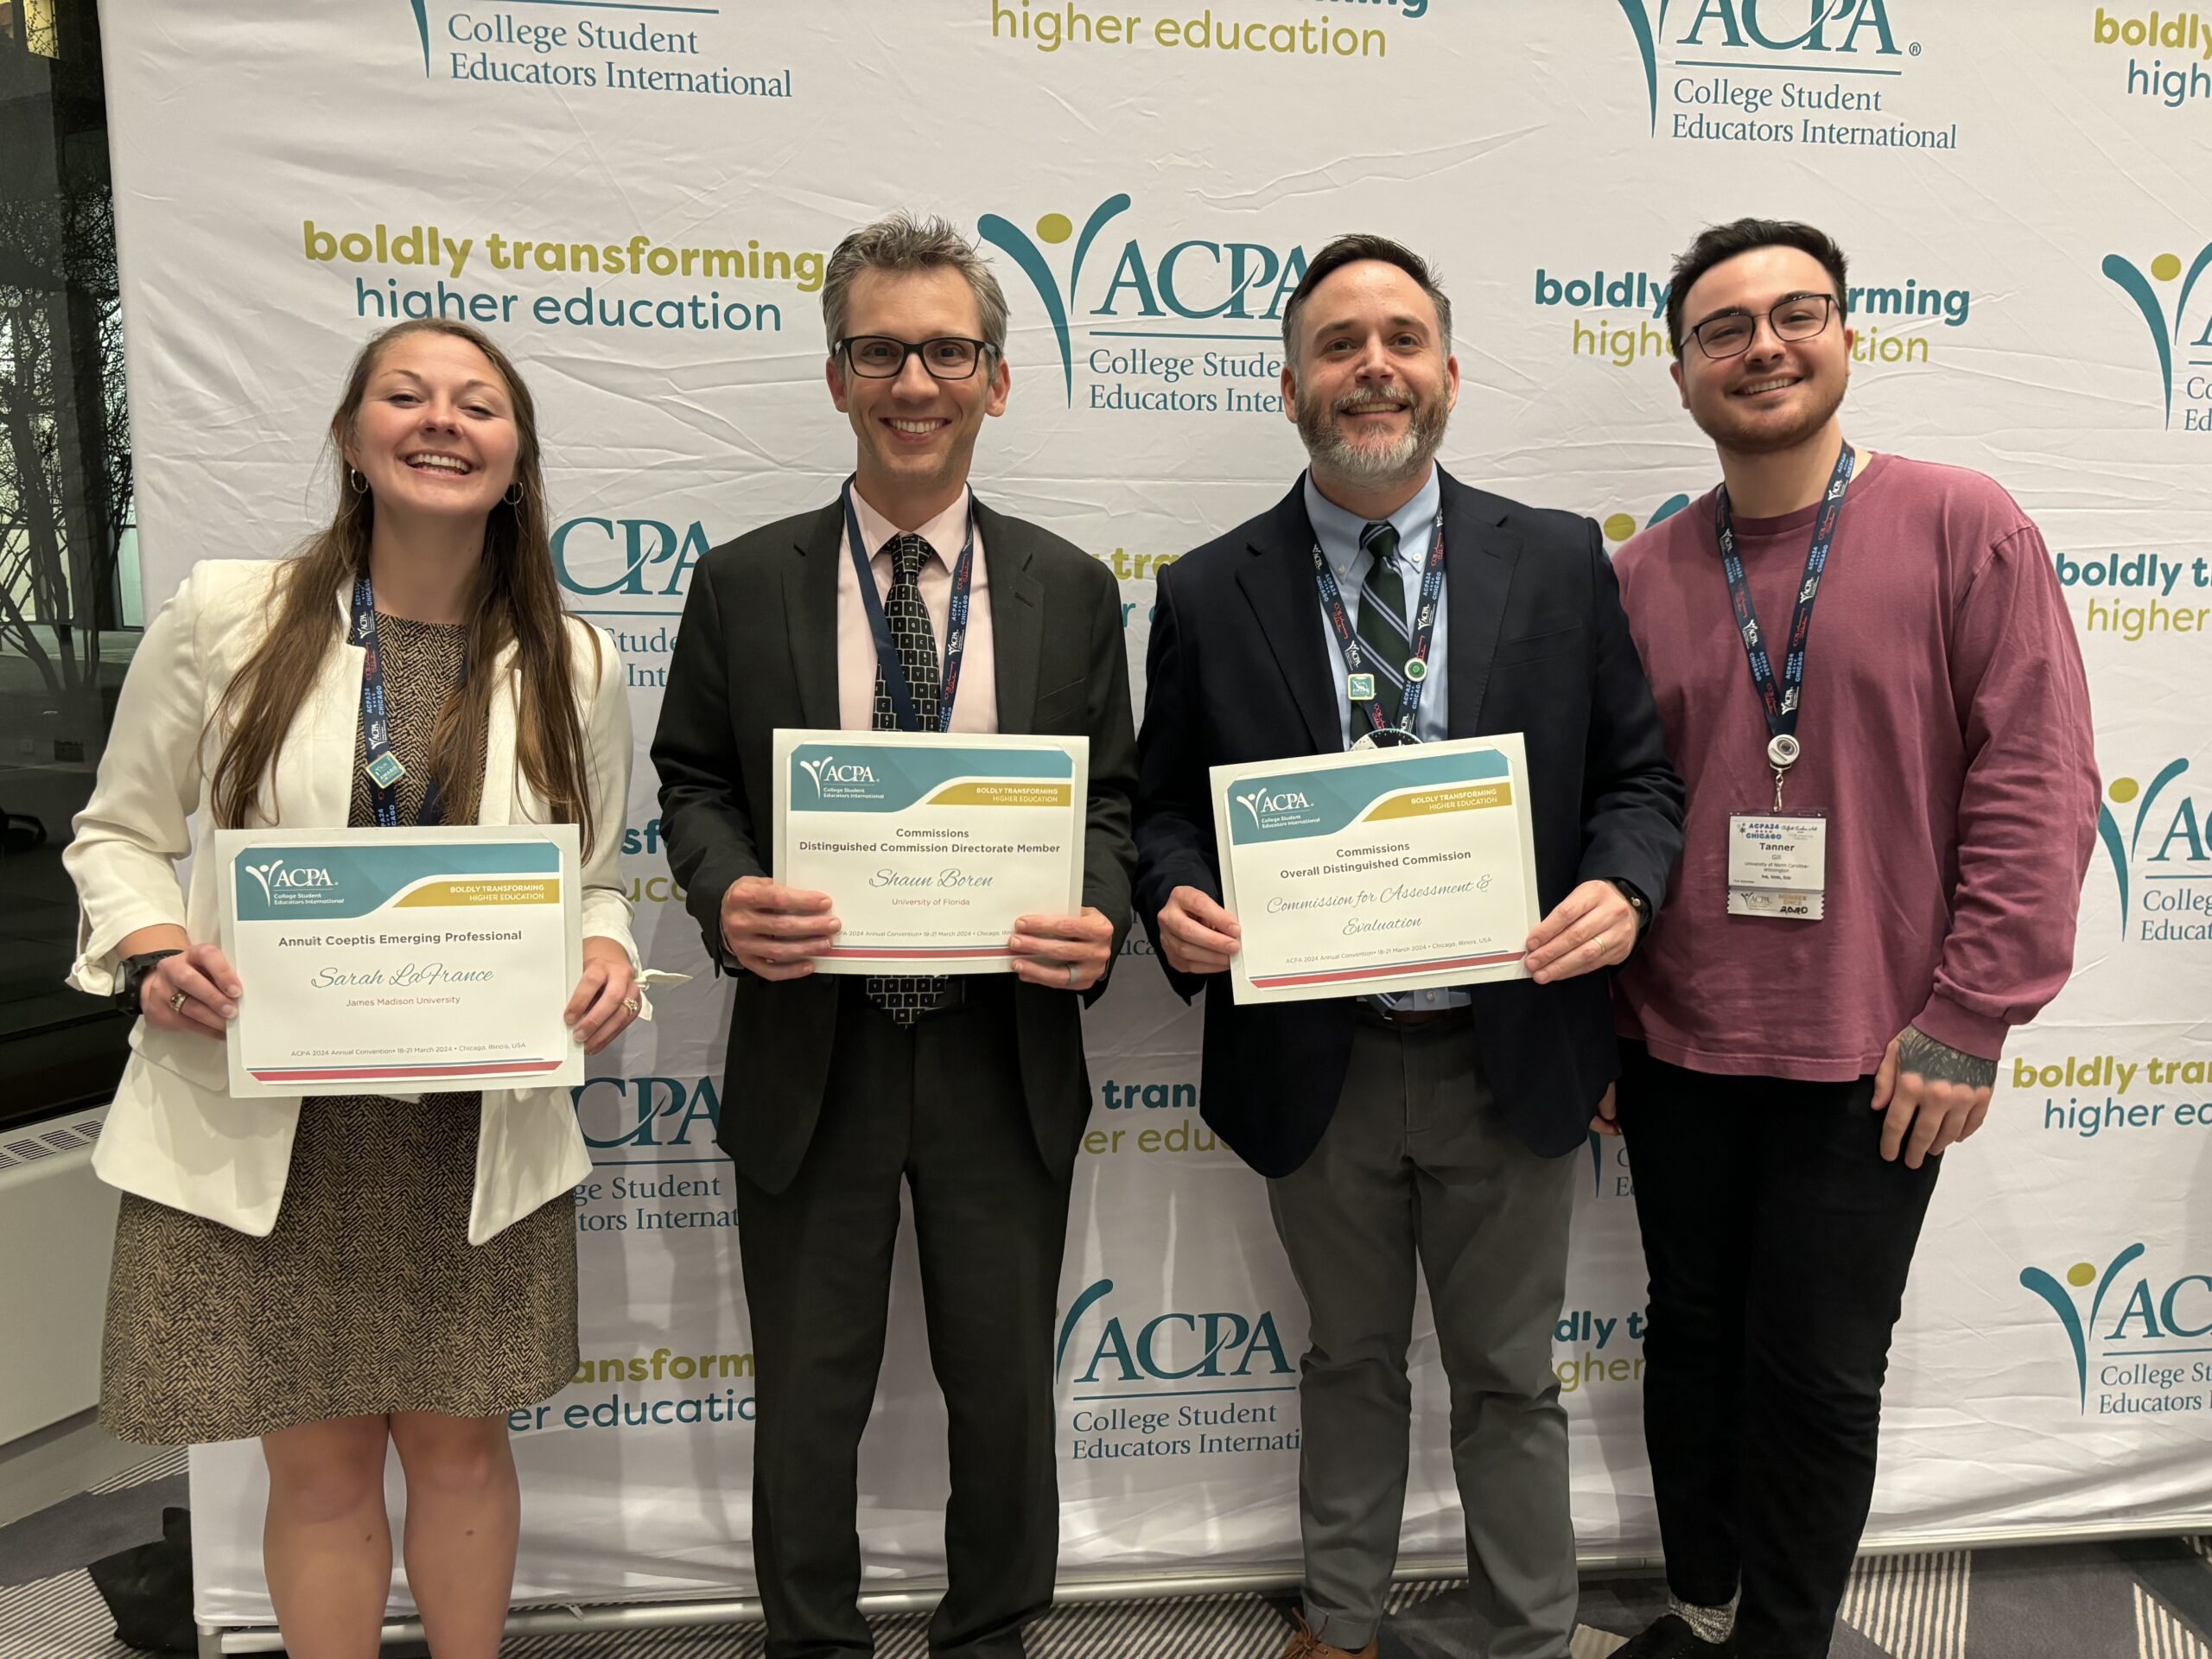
{"type": "Point", "coordinates": [757, 650]}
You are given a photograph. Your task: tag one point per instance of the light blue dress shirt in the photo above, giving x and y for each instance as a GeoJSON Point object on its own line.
{"type": "Point", "coordinates": [1338, 532]}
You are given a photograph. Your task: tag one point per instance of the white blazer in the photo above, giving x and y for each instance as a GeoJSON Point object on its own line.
{"type": "Point", "coordinates": [175, 1134]}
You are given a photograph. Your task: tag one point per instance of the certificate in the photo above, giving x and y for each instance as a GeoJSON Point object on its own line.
{"type": "Point", "coordinates": [930, 847]}
{"type": "Point", "coordinates": [1397, 870]}
{"type": "Point", "coordinates": [402, 960]}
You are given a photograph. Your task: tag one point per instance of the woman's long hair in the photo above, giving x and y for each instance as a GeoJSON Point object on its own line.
{"type": "Point", "coordinates": [514, 598]}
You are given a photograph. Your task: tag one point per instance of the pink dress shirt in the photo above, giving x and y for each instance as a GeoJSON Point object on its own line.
{"type": "Point", "coordinates": [976, 706]}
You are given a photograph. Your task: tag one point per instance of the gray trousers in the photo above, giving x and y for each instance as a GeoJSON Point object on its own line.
{"type": "Point", "coordinates": [1418, 1164]}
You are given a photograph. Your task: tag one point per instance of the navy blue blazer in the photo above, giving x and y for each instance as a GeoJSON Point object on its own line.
{"type": "Point", "coordinates": [1238, 671]}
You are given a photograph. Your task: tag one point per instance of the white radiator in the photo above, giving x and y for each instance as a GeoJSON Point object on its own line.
{"type": "Point", "coordinates": [57, 1232]}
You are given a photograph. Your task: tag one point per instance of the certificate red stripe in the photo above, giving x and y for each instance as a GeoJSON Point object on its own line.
{"type": "Point", "coordinates": [406, 1073]}
{"type": "Point", "coordinates": [948, 953]}
{"type": "Point", "coordinates": [1354, 975]}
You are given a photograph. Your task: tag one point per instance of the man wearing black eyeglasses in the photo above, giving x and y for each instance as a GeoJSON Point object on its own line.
{"type": "Point", "coordinates": [1888, 820]}
{"type": "Point", "coordinates": [970, 1092]}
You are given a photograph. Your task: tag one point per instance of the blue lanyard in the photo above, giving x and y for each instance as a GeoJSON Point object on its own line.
{"type": "Point", "coordinates": [1780, 699]}
{"type": "Point", "coordinates": [1416, 668]}
{"type": "Point", "coordinates": [384, 766]}
{"type": "Point", "coordinates": [879, 625]}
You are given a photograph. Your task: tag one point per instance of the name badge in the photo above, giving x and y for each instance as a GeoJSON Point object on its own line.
{"type": "Point", "coordinates": [1778, 867]}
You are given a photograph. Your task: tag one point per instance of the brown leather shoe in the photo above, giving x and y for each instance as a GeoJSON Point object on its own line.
{"type": "Point", "coordinates": [1303, 1644]}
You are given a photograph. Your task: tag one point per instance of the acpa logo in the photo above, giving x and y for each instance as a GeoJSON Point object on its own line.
{"type": "Point", "coordinates": [1192, 280]}
{"type": "Point", "coordinates": [636, 548]}
{"type": "Point", "coordinates": [2120, 1314]}
{"type": "Point", "coordinates": [1173, 1347]}
{"type": "Point", "coordinates": [275, 878]}
{"type": "Point", "coordinates": [829, 770]}
{"type": "Point", "coordinates": [1838, 27]}
{"type": "Point", "coordinates": [2166, 331]}
{"type": "Point", "coordinates": [2164, 843]}
{"type": "Point", "coordinates": [647, 1111]}
{"type": "Point", "coordinates": [1264, 803]}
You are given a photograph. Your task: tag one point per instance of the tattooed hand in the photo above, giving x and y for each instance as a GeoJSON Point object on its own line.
{"type": "Point", "coordinates": [1939, 1094]}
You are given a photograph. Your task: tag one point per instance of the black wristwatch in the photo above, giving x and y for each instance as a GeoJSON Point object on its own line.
{"type": "Point", "coordinates": [135, 969]}
{"type": "Point", "coordinates": [1637, 902]}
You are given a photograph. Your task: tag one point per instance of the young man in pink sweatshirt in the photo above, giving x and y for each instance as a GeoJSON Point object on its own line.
{"type": "Point", "coordinates": [1888, 818]}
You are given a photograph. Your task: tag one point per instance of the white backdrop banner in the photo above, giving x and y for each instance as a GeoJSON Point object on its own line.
{"type": "Point", "coordinates": [638, 200]}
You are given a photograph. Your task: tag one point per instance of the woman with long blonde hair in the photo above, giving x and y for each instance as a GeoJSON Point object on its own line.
{"type": "Point", "coordinates": [335, 1275]}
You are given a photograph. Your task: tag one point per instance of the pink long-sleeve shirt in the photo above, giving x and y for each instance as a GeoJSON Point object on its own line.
{"type": "Point", "coordinates": [1945, 733]}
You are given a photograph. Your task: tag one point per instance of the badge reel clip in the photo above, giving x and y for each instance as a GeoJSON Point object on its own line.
{"type": "Point", "coordinates": [1782, 752]}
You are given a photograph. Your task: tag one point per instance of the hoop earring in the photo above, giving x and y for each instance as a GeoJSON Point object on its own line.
{"type": "Point", "coordinates": [514, 494]}
{"type": "Point", "coordinates": [360, 486]}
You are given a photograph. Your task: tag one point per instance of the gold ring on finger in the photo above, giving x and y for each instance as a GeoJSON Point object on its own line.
{"type": "Point", "coordinates": [631, 1003]}
{"type": "Point", "coordinates": [177, 1003]}
{"type": "Point", "coordinates": [1600, 943]}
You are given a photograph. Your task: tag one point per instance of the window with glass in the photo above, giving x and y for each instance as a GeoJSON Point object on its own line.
{"type": "Point", "coordinates": [70, 613]}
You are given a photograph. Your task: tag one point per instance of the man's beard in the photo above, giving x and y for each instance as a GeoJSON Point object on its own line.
{"type": "Point", "coordinates": [1331, 448]}
{"type": "Point", "coordinates": [1751, 437]}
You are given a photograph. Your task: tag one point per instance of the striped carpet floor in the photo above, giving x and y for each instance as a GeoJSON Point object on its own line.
{"type": "Point", "coordinates": [2141, 1599]}
{"type": "Point", "coordinates": [62, 1618]}
{"type": "Point", "coordinates": [170, 1463]}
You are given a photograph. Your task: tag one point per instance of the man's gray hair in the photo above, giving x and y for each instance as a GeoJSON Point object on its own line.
{"type": "Point", "coordinates": [900, 242]}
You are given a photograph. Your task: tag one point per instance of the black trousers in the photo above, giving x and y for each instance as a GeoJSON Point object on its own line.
{"type": "Point", "coordinates": [1778, 1242]}
{"type": "Point", "coordinates": [938, 1105]}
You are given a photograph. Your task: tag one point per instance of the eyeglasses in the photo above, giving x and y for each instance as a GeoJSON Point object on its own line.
{"type": "Point", "coordinates": [879, 357]}
{"type": "Point", "coordinates": [1799, 317]}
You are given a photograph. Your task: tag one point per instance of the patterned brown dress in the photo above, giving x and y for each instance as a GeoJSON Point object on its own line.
{"type": "Point", "coordinates": [367, 1297]}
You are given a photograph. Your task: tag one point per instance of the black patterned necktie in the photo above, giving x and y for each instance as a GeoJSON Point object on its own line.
{"type": "Point", "coordinates": [1385, 639]}
{"type": "Point", "coordinates": [1387, 642]}
{"type": "Point", "coordinates": [904, 997]}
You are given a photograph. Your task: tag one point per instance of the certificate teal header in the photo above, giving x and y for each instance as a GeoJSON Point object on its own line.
{"type": "Point", "coordinates": [336, 882]}
{"type": "Point", "coordinates": [862, 776]}
{"type": "Point", "coordinates": [1293, 805]}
